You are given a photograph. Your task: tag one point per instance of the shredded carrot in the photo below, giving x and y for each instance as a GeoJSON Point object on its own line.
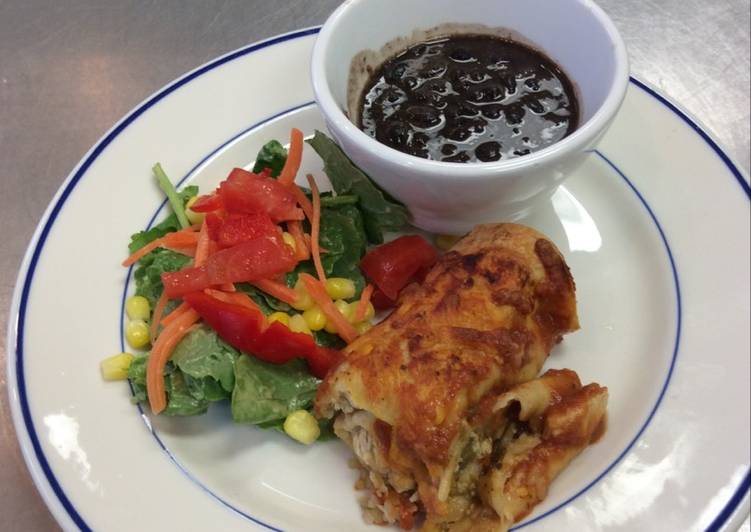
{"type": "Point", "coordinates": [179, 239]}
{"type": "Point", "coordinates": [160, 354]}
{"type": "Point", "coordinates": [322, 250]}
{"type": "Point", "coordinates": [315, 229]}
{"type": "Point", "coordinates": [294, 158]}
{"type": "Point", "coordinates": [234, 298]}
{"type": "Point", "coordinates": [181, 309]}
{"type": "Point", "coordinates": [202, 246]}
{"type": "Point", "coordinates": [362, 305]}
{"type": "Point", "coordinates": [278, 290]}
{"type": "Point", "coordinates": [301, 245]}
{"type": "Point", "coordinates": [317, 291]}
{"type": "Point", "coordinates": [156, 318]}
{"type": "Point", "coordinates": [303, 200]}
{"type": "Point", "coordinates": [188, 252]}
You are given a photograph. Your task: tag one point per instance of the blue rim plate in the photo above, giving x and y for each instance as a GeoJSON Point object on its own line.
{"type": "Point", "coordinates": [65, 470]}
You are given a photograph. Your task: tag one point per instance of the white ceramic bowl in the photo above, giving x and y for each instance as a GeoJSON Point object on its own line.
{"type": "Point", "coordinates": [453, 197]}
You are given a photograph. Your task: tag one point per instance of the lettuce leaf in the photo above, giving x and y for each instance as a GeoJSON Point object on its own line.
{"type": "Point", "coordinates": [150, 269]}
{"type": "Point", "coordinates": [202, 354]}
{"type": "Point", "coordinates": [200, 371]}
{"type": "Point", "coordinates": [265, 393]}
{"type": "Point", "coordinates": [181, 398]}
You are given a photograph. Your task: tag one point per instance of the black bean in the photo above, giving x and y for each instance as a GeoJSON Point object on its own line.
{"type": "Point", "coordinates": [423, 116]}
{"type": "Point", "coordinates": [461, 157]}
{"type": "Point", "coordinates": [461, 55]}
{"type": "Point", "coordinates": [514, 114]}
{"type": "Point", "coordinates": [491, 112]}
{"type": "Point", "coordinates": [448, 149]}
{"type": "Point", "coordinates": [488, 151]}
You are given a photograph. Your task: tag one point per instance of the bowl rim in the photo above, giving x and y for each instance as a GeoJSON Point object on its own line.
{"type": "Point", "coordinates": [576, 141]}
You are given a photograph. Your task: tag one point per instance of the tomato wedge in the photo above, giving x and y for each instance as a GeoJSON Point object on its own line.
{"type": "Point", "coordinates": [235, 229]}
{"type": "Point", "coordinates": [256, 259]}
{"type": "Point", "coordinates": [244, 192]}
{"type": "Point", "coordinates": [246, 329]}
{"type": "Point", "coordinates": [393, 265]}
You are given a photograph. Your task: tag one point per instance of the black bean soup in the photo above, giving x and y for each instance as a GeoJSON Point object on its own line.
{"type": "Point", "coordinates": [469, 98]}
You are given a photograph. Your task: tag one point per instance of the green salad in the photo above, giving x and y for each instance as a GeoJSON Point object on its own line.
{"type": "Point", "coordinates": [209, 361]}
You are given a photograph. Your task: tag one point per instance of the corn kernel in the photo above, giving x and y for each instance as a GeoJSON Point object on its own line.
{"type": "Point", "coordinates": [340, 288]}
{"type": "Point", "coordinates": [345, 309]}
{"type": "Point", "coordinates": [330, 327]}
{"type": "Point", "coordinates": [300, 425]}
{"type": "Point", "coordinates": [137, 334]}
{"type": "Point", "coordinates": [315, 318]}
{"type": "Point", "coordinates": [289, 240]}
{"type": "Point", "coordinates": [297, 324]}
{"type": "Point", "coordinates": [304, 300]}
{"type": "Point", "coordinates": [138, 308]}
{"type": "Point", "coordinates": [281, 317]}
{"type": "Point", "coordinates": [193, 216]}
{"type": "Point", "coordinates": [445, 242]}
{"type": "Point", "coordinates": [363, 326]}
{"type": "Point", "coordinates": [115, 368]}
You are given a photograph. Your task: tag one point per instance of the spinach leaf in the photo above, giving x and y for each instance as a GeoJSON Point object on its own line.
{"type": "Point", "coordinates": [203, 355]}
{"type": "Point", "coordinates": [272, 156]}
{"type": "Point", "coordinates": [150, 268]}
{"type": "Point", "coordinates": [338, 201]}
{"type": "Point", "coordinates": [380, 213]}
{"type": "Point", "coordinates": [267, 303]}
{"type": "Point", "coordinates": [326, 339]}
{"type": "Point", "coordinates": [168, 225]}
{"type": "Point", "coordinates": [343, 236]}
{"type": "Point", "coordinates": [266, 392]}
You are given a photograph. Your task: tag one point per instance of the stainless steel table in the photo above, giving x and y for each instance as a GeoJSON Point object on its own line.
{"type": "Point", "coordinates": [70, 68]}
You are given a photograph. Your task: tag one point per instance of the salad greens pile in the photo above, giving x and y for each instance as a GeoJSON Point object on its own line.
{"type": "Point", "coordinates": [205, 369]}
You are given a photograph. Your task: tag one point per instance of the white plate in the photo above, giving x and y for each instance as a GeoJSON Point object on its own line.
{"type": "Point", "coordinates": [655, 228]}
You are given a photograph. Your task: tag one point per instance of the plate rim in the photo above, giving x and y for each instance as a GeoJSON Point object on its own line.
{"type": "Point", "coordinates": [36, 461]}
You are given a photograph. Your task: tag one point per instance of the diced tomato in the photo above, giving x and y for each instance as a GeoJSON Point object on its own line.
{"type": "Point", "coordinates": [249, 261]}
{"type": "Point", "coordinates": [184, 281]}
{"type": "Point", "coordinates": [393, 265]}
{"type": "Point", "coordinates": [381, 301]}
{"type": "Point", "coordinates": [322, 360]}
{"type": "Point", "coordinates": [238, 228]}
{"type": "Point", "coordinates": [207, 203]}
{"type": "Point", "coordinates": [214, 222]}
{"type": "Point", "coordinates": [238, 326]}
{"type": "Point", "coordinates": [245, 193]}
{"type": "Point", "coordinates": [277, 342]}
{"type": "Point", "coordinates": [260, 258]}
{"type": "Point", "coordinates": [246, 329]}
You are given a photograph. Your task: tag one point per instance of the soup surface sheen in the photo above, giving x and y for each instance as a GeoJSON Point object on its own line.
{"type": "Point", "coordinates": [469, 98]}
